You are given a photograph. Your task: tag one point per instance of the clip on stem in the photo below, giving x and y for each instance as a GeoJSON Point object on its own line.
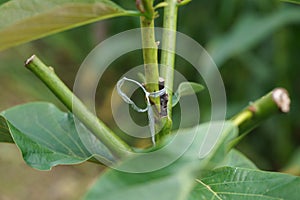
{"type": "Point", "coordinates": [149, 108]}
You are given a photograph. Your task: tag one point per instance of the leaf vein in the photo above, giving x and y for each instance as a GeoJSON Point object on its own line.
{"type": "Point", "coordinates": [209, 189]}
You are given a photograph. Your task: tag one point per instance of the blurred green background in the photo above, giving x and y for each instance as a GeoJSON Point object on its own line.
{"type": "Point", "coordinates": [255, 43]}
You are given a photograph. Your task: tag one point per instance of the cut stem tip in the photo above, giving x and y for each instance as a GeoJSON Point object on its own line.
{"type": "Point", "coordinates": [282, 99]}
{"type": "Point", "coordinates": [29, 60]}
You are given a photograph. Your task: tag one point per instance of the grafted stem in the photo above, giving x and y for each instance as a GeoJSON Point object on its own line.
{"type": "Point", "coordinates": [150, 51]}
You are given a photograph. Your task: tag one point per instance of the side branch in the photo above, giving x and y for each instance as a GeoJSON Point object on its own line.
{"type": "Point", "coordinates": [277, 101]}
{"type": "Point", "coordinates": [118, 147]}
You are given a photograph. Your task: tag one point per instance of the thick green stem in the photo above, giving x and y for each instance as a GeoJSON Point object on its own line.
{"type": "Point", "coordinates": [150, 51]}
{"type": "Point", "coordinates": [148, 9]}
{"type": "Point", "coordinates": [168, 48]}
{"type": "Point", "coordinates": [150, 55]}
{"type": "Point", "coordinates": [277, 101]}
{"type": "Point", "coordinates": [149, 46]}
{"type": "Point", "coordinates": [118, 147]}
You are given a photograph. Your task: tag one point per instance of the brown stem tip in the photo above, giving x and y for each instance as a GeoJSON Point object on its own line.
{"type": "Point", "coordinates": [282, 99]}
{"type": "Point", "coordinates": [29, 60]}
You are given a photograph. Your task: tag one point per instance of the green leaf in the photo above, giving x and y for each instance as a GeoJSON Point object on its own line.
{"type": "Point", "coordinates": [22, 21]}
{"type": "Point", "coordinates": [185, 89]}
{"type": "Point", "coordinates": [292, 1]}
{"type": "Point", "coordinates": [177, 179]}
{"type": "Point", "coordinates": [293, 166]}
{"type": "Point", "coordinates": [239, 184]}
{"type": "Point", "coordinates": [249, 30]}
{"type": "Point", "coordinates": [48, 137]}
{"type": "Point", "coordinates": [4, 131]}
{"type": "Point", "coordinates": [236, 159]}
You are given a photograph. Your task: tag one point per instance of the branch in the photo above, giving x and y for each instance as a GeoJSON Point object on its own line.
{"type": "Point", "coordinates": [277, 101]}
{"type": "Point", "coordinates": [118, 147]}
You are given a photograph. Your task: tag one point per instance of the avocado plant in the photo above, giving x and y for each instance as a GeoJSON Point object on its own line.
{"type": "Point", "coordinates": [205, 163]}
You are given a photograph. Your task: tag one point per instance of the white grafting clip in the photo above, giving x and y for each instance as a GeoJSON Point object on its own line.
{"type": "Point", "coordinates": [138, 109]}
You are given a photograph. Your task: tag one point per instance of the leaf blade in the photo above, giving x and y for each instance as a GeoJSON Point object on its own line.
{"type": "Point", "coordinates": [239, 183]}
{"type": "Point", "coordinates": [236, 159]}
{"type": "Point", "coordinates": [186, 89]}
{"type": "Point", "coordinates": [174, 181]}
{"type": "Point", "coordinates": [23, 21]}
{"type": "Point", "coordinates": [48, 137]}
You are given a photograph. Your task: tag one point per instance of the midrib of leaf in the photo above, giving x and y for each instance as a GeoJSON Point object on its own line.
{"type": "Point", "coordinates": [209, 189]}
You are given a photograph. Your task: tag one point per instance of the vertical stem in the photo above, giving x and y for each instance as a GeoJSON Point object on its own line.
{"type": "Point", "coordinates": [150, 55]}
{"type": "Point", "coordinates": [168, 46]}
{"type": "Point", "coordinates": [147, 8]}
{"type": "Point", "coordinates": [151, 65]}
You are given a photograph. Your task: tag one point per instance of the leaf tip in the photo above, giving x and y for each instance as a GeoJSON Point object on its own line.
{"type": "Point", "coordinates": [29, 60]}
{"type": "Point", "coordinates": [282, 99]}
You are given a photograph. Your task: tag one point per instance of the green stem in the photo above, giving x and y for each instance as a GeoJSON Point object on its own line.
{"type": "Point", "coordinates": [117, 146]}
{"type": "Point", "coordinates": [277, 101]}
{"type": "Point", "coordinates": [150, 55]}
{"type": "Point", "coordinates": [149, 46]}
{"type": "Point", "coordinates": [150, 51]}
{"type": "Point", "coordinates": [148, 8]}
{"type": "Point", "coordinates": [168, 46]}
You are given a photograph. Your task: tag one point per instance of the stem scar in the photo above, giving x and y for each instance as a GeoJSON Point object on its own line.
{"type": "Point", "coordinates": [252, 108]}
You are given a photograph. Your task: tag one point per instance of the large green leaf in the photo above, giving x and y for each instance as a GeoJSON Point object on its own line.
{"type": "Point", "coordinates": [249, 31]}
{"type": "Point", "coordinates": [243, 184]}
{"type": "Point", "coordinates": [48, 137]}
{"type": "Point", "coordinates": [177, 179]}
{"type": "Point", "coordinates": [23, 20]}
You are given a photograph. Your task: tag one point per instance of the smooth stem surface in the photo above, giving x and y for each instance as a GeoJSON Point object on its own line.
{"type": "Point", "coordinates": [168, 48]}
{"type": "Point", "coordinates": [277, 101]}
{"type": "Point", "coordinates": [149, 47]}
{"type": "Point", "coordinates": [150, 55]}
{"type": "Point", "coordinates": [150, 51]}
{"type": "Point", "coordinates": [117, 146]}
